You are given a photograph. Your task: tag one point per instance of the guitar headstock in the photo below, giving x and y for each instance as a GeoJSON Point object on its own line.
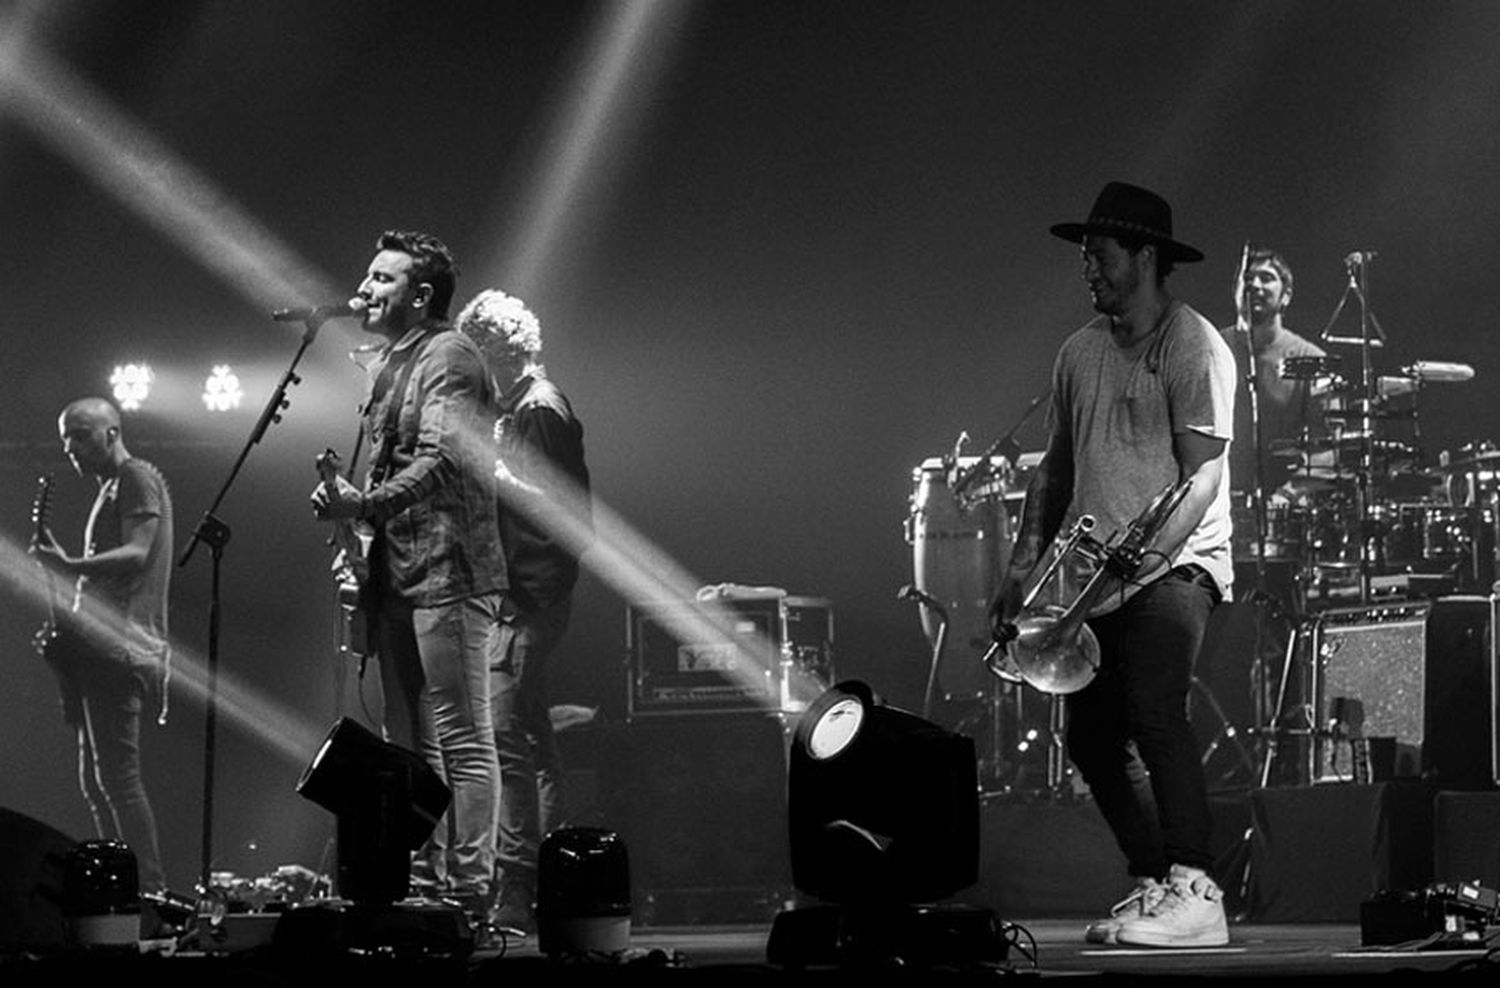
{"type": "Point", "coordinates": [41, 505]}
{"type": "Point", "coordinates": [328, 466]}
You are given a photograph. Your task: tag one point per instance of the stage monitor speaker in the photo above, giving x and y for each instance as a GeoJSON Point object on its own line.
{"type": "Point", "coordinates": [700, 802]}
{"type": "Point", "coordinates": [33, 863]}
{"type": "Point", "coordinates": [1422, 673]}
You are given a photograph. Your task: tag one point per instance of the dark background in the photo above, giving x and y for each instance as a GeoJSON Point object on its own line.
{"type": "Point", "coordinates": [807, 249]}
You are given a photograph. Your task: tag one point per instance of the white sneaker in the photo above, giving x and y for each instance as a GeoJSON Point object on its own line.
{"type": "Point", "coordinates": [1190, 913]}
{"type": "Point", "coordinates": [1148, 892]}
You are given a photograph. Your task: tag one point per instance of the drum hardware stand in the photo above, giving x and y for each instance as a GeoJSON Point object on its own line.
{"type": "Point", "coordinates": [994, 700]}
{"type": "Point", "coordinates": [1357, 266]}
{"type": "Point", "coordinates": [1227, 732]}
{"type": "Point", "coordinates": [910, 592]}
{"type": "Point", "coordinates": [1005, 446]}
{"type": "Point", "coordinates": [1274, 729]}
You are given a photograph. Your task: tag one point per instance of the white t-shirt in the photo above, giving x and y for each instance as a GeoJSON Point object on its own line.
{"type": "Point", "coordinates": [1121, 407]}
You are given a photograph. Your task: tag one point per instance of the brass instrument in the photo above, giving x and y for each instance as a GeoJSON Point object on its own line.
{"type": "Point", "coordinates": [1049, 646]}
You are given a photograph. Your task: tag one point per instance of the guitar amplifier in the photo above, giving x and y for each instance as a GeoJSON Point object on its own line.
{"type": "Point", "coordinates": [736, 654]}
{"type": "Point", "coordinates": [1423, 674]}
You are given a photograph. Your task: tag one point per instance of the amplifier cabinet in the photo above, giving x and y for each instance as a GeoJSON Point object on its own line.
{"type": "Point", "coordinates": [728, 655]}
{"type": "Point", "coordinates": [1423, 674]}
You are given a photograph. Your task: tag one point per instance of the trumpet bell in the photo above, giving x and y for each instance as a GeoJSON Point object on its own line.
{"type": "Point", "coordinates": [1053, 662]}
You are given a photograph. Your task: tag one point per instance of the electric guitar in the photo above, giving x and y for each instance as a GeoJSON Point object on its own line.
{"type": "Point", "coordinates": [55, 641]}
{"type": "Point", "coordinates": [351, 566]}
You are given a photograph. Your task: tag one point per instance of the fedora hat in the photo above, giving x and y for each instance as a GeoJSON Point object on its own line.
{"type": "Point", "coordinates": [1129, 210]}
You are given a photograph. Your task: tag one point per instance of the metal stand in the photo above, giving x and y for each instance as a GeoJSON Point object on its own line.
{"type": "Point", "coordinates": [214, 533]}
{"type": "Point", "coordinates": [1226, 732]}
{"type": "Point", "coordinates": [1357, 266]}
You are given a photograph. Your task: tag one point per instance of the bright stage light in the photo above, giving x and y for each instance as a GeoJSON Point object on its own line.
{"type": "Point", "coordinates": [221, 391]}
{"type": "Point", "coordinates": [131, 385]}
{"type": "Point", "coordinates": [883, 818]}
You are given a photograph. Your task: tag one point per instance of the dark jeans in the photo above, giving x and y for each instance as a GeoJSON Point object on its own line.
{"type": "Point", "coordinates": [531, 775]}
{"type": "Point", "coordinates": [109, 763]}
{"type": "Point", "coordinates": [1128, 731]}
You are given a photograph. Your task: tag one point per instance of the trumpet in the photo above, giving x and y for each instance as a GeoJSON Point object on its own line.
{"type": "Point", "coordinates": [1049, 646]}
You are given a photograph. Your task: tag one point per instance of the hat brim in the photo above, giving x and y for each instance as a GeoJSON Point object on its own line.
{"type": "Point", "coordinates": [1075, 232]}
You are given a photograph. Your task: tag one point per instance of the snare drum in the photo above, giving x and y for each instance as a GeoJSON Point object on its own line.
{"type": "Point", "coordinates": [960, 550]}
{"type": "Point", "coordinates": [1416, 534]}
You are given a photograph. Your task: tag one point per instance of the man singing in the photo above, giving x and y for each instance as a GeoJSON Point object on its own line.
{"type": "Point", "coordinates": [436, 569]}
{"type": "Point", "coordinates": [1143, 398]}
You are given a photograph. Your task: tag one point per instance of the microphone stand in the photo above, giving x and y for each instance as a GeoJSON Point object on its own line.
{"type": "Point", "coordinates": [215, 534]}
{"type": "Point", "coordinates": [1357, 266]}
{"type": "Point", "coordinates": [1007, 442]}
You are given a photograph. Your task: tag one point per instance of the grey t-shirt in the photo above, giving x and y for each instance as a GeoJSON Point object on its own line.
{"type": "Point", "coordinates": [1121, 407]}
{"type": "Point", "coordinates": [1286, 407]}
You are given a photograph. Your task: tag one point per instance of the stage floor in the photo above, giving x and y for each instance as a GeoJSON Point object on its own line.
{"type": "Point", "coordinates": [1043, 949]}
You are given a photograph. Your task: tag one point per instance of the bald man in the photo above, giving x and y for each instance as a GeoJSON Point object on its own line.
{"type": "Point", "coordinates": [111, 652]}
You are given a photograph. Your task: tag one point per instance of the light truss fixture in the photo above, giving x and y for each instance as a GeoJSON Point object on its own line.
{"type": "Point", "coordinates": [221, 391]}
{"type": "Point", "coordinates": [131, 385]}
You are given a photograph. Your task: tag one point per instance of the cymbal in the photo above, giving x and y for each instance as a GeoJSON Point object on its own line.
{"type": "Point", "coordinates": [1438, 371]}
{"type": "Point", "coordinates": [1483, 458]}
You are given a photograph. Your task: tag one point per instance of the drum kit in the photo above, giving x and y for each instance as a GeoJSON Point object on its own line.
{"type": "Point", "coordinates": [1362, 516]}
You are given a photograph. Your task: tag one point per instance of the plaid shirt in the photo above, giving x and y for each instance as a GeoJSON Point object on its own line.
{"type": "Point", "coordinates": [430, 493]}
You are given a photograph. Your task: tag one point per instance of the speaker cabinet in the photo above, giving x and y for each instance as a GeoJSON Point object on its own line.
{"type": "Point", "coordinates": [701, 804]}
{"type": "Point", "coordinates": [33, 859]}
{"type": "Point", "coordinates": [1317, 852]}
{"type": "Point", "coordinates": [1420, 673]}
{"type": "Point", "coordinates": [1467, 838]}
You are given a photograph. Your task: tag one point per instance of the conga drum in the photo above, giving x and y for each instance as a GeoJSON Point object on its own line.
{"type": "Point", "coordinates": [961, 546]}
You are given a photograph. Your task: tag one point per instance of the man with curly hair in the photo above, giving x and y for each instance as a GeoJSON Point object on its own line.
{"type": "Point", "coordinates": [436, 571]}
{"type": "Point", "coordinates": [544, 522]}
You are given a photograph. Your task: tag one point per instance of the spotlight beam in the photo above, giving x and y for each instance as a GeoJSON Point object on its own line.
{"type": "Point", "coordinates": [160, 188]}
{"type": "Point", "coordinates": [616, 62]}
{"type": "Point", "coordinates": [280, 729]}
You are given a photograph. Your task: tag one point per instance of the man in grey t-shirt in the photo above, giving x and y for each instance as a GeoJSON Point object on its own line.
{"type": "Point", "coordinates": [1143, 399]}
{"type": "Point", "coordinates": [1286, 405]}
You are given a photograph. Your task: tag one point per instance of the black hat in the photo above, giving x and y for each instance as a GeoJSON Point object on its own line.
{"type": "Point", "coordinates": [1130, 210]}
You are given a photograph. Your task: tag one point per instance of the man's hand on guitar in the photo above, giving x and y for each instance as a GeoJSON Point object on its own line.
{"type": "Point", "coordinates": [343, 500]}
{"type": "Point", "coordinates": [48, 552]}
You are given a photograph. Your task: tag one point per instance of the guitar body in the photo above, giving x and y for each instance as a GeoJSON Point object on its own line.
{"type": "Point", "coordinates": [351, 566]}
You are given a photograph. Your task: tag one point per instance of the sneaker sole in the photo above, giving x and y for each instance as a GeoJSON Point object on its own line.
{"type": "Point", "coordinates": [1147, 940]}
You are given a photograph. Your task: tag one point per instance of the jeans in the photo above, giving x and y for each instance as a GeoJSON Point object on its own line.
{"type": "Point", "coordinates": [434, 669]}
{"type": "Point", "coordinates": [1128, 730]}
{"type": "Point", "coordinates": [112, 695]}
{"type": "Point", "coordinates": [530, 770]}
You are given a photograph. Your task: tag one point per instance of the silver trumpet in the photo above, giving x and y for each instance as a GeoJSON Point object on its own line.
{"type": "Point", "coordinates": [1049, 646]}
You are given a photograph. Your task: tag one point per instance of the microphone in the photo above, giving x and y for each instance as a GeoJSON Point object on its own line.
{"type": "Point", "coordinates": [1360, 257]}
{"type": "Point", "coordinates": [1241, 320]}
{"type": "Point", "coordinates": [354, 307]}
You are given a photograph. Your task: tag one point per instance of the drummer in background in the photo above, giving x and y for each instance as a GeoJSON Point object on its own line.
{"type": "Point", "coordinates": [1263, 293]}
